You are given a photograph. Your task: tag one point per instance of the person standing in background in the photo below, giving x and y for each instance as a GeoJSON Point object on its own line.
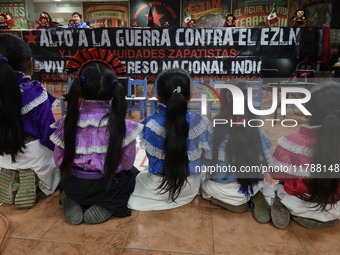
{"type": "Point", "coordinates": [76, 16]}
{"type": "Point", "coordinates": [48, 17]}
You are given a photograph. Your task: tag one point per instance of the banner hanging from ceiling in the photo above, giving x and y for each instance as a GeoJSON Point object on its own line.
{"type": "Point", "coordinates": [220, 53]}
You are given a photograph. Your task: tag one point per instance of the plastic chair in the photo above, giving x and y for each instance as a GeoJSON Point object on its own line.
{"type": "Point", "coordinates": [154, 101]}
{"type": "Point", "coordinates": [142, 108]}
{"type": "Point", "coordinates": [63, 99]}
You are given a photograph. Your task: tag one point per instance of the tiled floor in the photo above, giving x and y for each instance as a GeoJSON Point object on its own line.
{"type": "Point", "coordinates": [197, 228]}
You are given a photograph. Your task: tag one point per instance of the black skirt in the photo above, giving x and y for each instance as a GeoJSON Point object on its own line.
{"type": "Point", "coordinates": [89, 192]}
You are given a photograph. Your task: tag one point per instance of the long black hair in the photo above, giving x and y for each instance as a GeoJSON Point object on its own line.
{"type": "Point", "coordinates": [17, 54]}
{"type": "Point", "coordinates": [325, 109]}
{"type": "Point", "coordinates": [175, 170]}
{"type": "Point", "coordinates": [244, 146]}
{"type": "Point", "coordinates": [98, 85]}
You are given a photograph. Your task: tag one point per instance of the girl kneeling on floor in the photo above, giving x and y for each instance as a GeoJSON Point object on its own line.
{"type": "Point", "coordinates": [309, 191]}
{"type": "Point", "coordinates": [173, 140]}
{"type": "Point", "coordinates": [25, 119]}
{"type": "Point", "coordinates": [95, 146]}
{"type": "Point", "coordinates": [235, 147]}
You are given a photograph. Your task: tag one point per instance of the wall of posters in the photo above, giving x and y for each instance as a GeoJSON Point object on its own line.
{"type": "Point", "coordinates": [320, 12]}
{"type": "Point", "coordinates": [207, 14]}
{"type": "Point", "coordinates": [249, 13]}
{"type": "Point", "coordinates": [161, 11]}
{"type": "Point", "coordinates": [113, 15]}
{"type": "Point", "coordinates": [17, 10]}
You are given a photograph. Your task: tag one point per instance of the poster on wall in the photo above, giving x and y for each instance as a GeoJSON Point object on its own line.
{"type": "Point", "coordinates": [207, 14]}
{"type": "Point", "coordinates": [166, 10]}
{"type": "Point", "coordinates": [249, 13]}
{"type": "Point", "coordinates": [320, 12]}
{"type": "Point", "coordinates": [112, 15]}
{"type": "Point", "coordinates": [16, 10]}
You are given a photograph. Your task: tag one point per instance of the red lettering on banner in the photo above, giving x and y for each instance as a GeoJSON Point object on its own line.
{"type": "Point", "coordinates": [145, 55]}
{"type": "Point", "coordinates": [154, 53]}
{"type": "Point", "coordinates": [193, 54]}
{"type": "Point", "coordinates": [200, 51]}
{"type": "Point", "coordinates": [218, 52]}
{"type": "Point", "coordinates": [179, 54]}
{"type": "Point", "coordinates": [186, 53]}
{"type": "Point", "coordinates": [233, 53]}
{"type": "Point", "coordinates": [225, 53]}
{"type": "Point", "coordinates": [211, 53]}
{"type": "Point", "coordinates": [62, 52]}
{"type": "Point", "coordinates": [161, 53]}
{"type": "Point", "coordinates": [172, 51]}
{"type": "Point", "coordinates": [139, 54]}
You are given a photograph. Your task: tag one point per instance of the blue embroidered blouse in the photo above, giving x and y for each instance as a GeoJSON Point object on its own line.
{"type": "Point", "coordinates": [228, 176]}
{"type": "Point", "coordinates": [153, 140]}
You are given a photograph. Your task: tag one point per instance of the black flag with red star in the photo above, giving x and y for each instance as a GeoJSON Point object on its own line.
{"type": "Point", "coordinates": [150, 22]}
{"type": "Point", "coordinates": [140, 10]}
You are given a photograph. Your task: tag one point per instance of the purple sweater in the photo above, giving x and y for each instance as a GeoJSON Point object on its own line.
{"type": "Point", "coordinates": [92, 139]}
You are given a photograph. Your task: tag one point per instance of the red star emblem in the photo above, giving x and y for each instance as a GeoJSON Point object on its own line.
{"type": "Point", "coordinates": [31, 38]}
{"type": "Point", "coordinates": [156, 16]}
